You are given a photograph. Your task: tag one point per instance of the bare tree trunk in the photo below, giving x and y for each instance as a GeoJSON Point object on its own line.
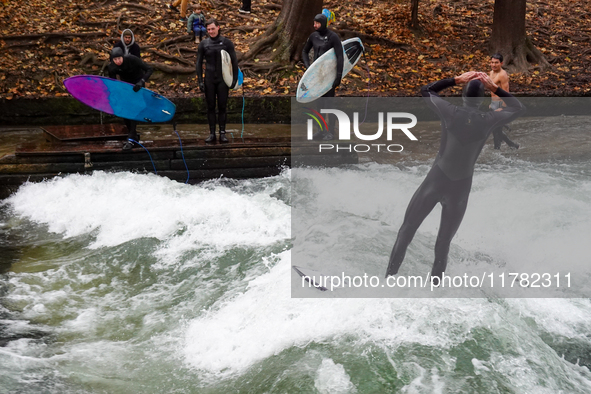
{"type": "Point", "coordinates": [288, 34]}
{"type": "Point", "coordinates": [510, 39]}
{"type": "Point", "coordinates": [414, 14]}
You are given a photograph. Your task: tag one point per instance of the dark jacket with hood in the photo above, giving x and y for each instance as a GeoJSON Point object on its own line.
{"type": "Point", "coordinates": [132, 70]}
{"type": "Point", "coordinates": [132, 49]}
{"type": "Point", "coordinates": [322, 40]}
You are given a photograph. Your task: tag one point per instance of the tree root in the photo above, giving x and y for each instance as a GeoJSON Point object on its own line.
{"type": "Point", "coordinates": [246, 29]}
{"type": "Point", "coordinates": [171, 69]}
{"type": "Point", "coordinates": [168, 56]}
{"type": "Point", "coordinates": [524, 57]}
{"type": "Point", "coordinates": [267, 67]}
{"type": "Point", "coordinates": [273, 6]}
{"type": "Point", "coordinates": [262, 43]}
{"type": "Point", "coordinates": [143, 7]}
{"type": "Point", "coordinates": [345, 33]}
{"type": "Point", "coordinates": [90, 58]}
{"type": "Point", "coordinates": [170, 41]}
{"type": "Point", "coordinates": [52, 35]}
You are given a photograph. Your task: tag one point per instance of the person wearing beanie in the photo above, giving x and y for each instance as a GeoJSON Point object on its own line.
{"type": "Point", "coordinates": [213, 85]}
{"type": "Point", "coordinates": [464, 131]}
{"type": "Point", "coordinates": [134, 70]}
{"type": "Point", "coordinates": [323, 40]}
{"type": "Point", "coordinates": [128, 44]}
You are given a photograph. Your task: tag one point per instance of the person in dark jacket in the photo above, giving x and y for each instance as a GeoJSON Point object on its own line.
{"type": "Point", "coordinates": [134, 70]}
{"type": "Point", "coordinates": [323, 40]}
{"type": "Point", "coordinates": [128, 44]}
{"type": "Point", "coordinates": [464, 130]}
{"type": "Point", "coordinates": [213, 85]}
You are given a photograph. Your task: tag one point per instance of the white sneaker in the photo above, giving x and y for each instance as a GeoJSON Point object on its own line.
{"type": "Point", "coordinates": [243, 11]}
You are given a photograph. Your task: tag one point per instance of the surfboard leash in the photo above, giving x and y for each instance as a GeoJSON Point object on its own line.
{"type": "Point", "coordinates": [243, 102]}
{"type": "Point", "coordinates": [182, 153]}
{"type": "Point", "coordinates": [137, 142]}
{"type": "Point", "coordinates": [368, 82]}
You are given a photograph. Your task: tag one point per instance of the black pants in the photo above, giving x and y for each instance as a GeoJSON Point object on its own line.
{"type": "Point", "coordinates": [132, 124]}
{"type": "Point", "coordinates": [330, 119]}
{"type": "Point", "coordinates": [131, 129]}
{"type": "Point", "coordinates": [436, 188]}
{"type": "Point", "coordinates": [220, 91]}
{"type": "Point", "coordinates": [246, 5]}
{"type": "Point", "coordinates": [499, 136]}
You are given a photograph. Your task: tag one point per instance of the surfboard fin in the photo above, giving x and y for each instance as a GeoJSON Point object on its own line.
{"type": "Point", "coordinates": [353, 51]}
{"type": "Point", "coordinates": [309, 279]}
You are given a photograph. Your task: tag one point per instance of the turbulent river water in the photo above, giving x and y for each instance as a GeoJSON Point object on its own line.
{"type": "Point", "coordinates": [132, 283]}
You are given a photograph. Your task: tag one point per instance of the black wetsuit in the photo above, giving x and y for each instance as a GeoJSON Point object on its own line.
{"type": "Point", "coordinates": [132, 70]}
{"type": "Point", "coordinates": [209, 49]}
{"type": "Point", "coordinates": [322, 40]}
{"type": "Point", "coordinates": [464, 131]}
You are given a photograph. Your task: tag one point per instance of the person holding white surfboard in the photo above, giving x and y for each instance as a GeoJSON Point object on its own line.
{"type": "Point", "coordinates": [214, 86]}
{"type": "Point", "coordinates": [323, 40]}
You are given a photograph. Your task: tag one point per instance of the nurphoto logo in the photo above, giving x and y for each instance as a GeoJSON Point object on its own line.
{"type": "Point", "coordinates": [394, 121]}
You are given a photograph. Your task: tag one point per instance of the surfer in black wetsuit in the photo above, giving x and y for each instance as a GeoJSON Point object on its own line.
{"type": "Point", "coordinates": [133, 70]}
{"type": "Point", "coordinates": [322, 40]}
{"type": "Point", "coordinates": [214, 85]}
{"type": "Point", "coordinates": [464, 130]}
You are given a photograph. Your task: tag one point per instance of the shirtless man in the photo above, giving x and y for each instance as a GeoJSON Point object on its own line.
{"type": "Point", "coordinates": [500, 78]}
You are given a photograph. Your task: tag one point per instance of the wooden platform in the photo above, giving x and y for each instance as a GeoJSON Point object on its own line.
{"type": "Point", "coordinates": [97, 132]}
{"type": "Point", "coordinates": [75, 150]}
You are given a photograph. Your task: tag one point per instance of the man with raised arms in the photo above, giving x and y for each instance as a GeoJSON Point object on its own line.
{"type": "Point", "coordinates": [464, 130]}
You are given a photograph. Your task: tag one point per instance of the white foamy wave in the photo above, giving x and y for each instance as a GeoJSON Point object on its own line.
{"type": "Point", "coordinates": [264, 320]}
{"type": "Point", "coordinates": [119, 207]}
{"type": "Point", "coordinates": [332, 378]}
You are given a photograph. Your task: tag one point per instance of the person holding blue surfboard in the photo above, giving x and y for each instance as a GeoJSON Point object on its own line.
{"type": "Point", "coordinates": [213, 85]}
{"type": "Point", "coordinates": [133, 70]}
{"type": "Point", "coordinates": [323, 40]}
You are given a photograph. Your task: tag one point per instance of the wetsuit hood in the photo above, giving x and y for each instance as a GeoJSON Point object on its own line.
{"type": "Point", "coordinates": [116, 52]}
{"type": "Point", "coordinates": [127, 32]}
{"type": "Point", "coordinates": [473, 93]}
{"type": "Point", "coordinates": [323, 23]}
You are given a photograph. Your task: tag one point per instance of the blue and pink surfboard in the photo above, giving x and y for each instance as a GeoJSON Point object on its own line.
{"type": "Point", "coordinates": [118, 98]}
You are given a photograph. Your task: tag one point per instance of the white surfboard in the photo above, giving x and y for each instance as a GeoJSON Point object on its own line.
{"type": "Point", "coordinates": [320, 76]}
{"type": "Point", "coordinates": [228, 73]}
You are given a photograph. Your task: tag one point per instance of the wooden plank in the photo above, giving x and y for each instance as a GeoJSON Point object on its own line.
{"type": "Point", "coordinates": [94, 132]}
{"type": "Point", "coordinates": [235, 152]}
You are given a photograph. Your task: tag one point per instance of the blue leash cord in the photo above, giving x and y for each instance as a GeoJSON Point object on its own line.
{"type": "Point", "coordinates": [243, 101]}
{"type": "Point", "coordinates": [137, 142]}
{"type": "Point", "coordinates": [368, 79]}
{"type": "Point", "coordinates": [182, 154]}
